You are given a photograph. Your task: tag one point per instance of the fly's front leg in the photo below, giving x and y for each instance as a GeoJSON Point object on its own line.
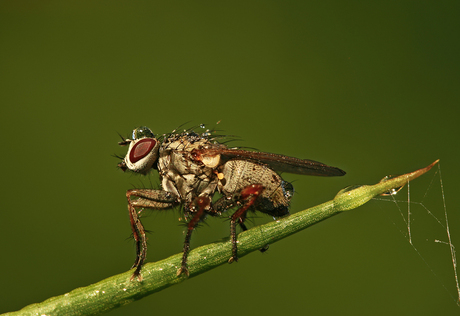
{"type": "Point", "coordinates": [249, 196]}
{"type": "Point", "coordinates": [202, 206]}
{"type": "Point", "coordinates": [141, 241]}
{"type": "Point", "coordinates": [154, 199]}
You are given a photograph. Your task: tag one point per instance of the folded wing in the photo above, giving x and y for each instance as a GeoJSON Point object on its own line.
{"type": "Point", "coordinates": [278, 162]}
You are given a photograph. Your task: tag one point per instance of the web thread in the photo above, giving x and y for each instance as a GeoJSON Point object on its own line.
{"type": "Point", "coordinates": [406, 209]}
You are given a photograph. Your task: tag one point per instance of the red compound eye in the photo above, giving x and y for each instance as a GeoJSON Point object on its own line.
{"type": "Point", "coordinates": [141, 149]}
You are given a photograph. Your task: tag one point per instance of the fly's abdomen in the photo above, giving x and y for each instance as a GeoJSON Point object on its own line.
{"type": "Point", "coordinates": [239, 174]}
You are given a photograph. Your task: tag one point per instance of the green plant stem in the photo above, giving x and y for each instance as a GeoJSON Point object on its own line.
{"type": "Point", "coordinates": [118, 290]}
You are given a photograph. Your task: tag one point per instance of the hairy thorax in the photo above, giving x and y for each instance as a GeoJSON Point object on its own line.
{"type": "Point", "coordinates": [182, 174]}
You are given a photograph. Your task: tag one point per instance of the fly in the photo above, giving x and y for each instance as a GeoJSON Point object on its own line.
{"type": "Point", "coordinates": [193, 167]}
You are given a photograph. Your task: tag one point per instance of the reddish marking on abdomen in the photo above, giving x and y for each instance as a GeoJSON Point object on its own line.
{"type": "Point", "coordinates": [253, 189]}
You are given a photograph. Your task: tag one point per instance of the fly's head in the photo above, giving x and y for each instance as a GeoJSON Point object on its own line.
{"type": "Point", "coordinates": [142, 153]}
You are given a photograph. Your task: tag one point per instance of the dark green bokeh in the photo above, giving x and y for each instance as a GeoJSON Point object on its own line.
{"type": "Point", "coordinates": [370, 88]}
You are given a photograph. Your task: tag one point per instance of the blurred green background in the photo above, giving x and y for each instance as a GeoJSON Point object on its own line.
{"type": "Point", "coordinates": [372, 88]}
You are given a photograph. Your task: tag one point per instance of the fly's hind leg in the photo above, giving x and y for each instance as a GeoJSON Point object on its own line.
{"type": "Point", "coordinates": [145, 198]}
{"type": "Point", "coordinates": [244, 228]}
{"type": "Point", "coordinates": [248, 196]}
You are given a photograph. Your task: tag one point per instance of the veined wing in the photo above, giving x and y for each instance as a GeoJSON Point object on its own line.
{"type": "Point", "coordinates": [277, 162]}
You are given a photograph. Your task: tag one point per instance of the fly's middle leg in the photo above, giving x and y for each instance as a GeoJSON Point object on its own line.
{"type": "Point", "coordinates": [202, 206]}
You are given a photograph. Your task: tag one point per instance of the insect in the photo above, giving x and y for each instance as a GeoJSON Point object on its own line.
{"type": "Point", "coordinates": [193, 167]}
